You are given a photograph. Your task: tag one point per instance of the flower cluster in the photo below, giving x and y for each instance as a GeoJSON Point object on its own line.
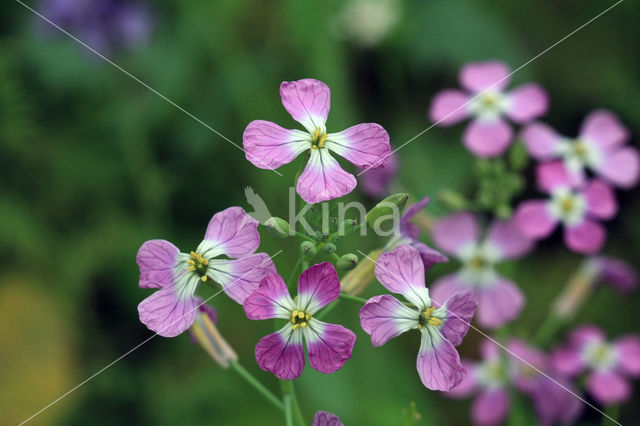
{"type": "Point", "coordinates": [443, 313]}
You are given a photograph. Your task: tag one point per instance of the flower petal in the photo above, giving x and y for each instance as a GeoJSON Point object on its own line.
{"type": "Point", "coordinates": [509, 239]}
{"type": "Point", "coordinates": [607, 387]}
{"type": "Point", "coordinates": [269, 146]}
{"type": "Point", "coordinates": [541, 140]}
{"type": "Point", "coordinates": [528, 362]}
{"type": "Point", "coordinates": [241, 277]}
{"type": "Point", "coordinates": [376, 182]}
{"type": "Point", "coordinates": [232, 232]}
{"type": "Point", "coordinates": [586, 334]}
{"type": "Point", "coordinates": [385, 317]}
{"type": "Point", "coordinates": [168, 313]}
{"type": "Point", "coordinates": [281, 353]}
{"type": "Point", "coordinates": [406, 227]}
{"type": "Point", "coordinates": [604, 128]}
{"type": "Point", "coordinates": [555, 174]}
{"type": "Point", "coordinates": [585, 237]}
{"type": "Point", "coordinates": [438, 363]}
{"type": "Point", "coordinates": [553, 401]}
{"type": "Point", "coordinates": [527, 102]}
{"type": "Point", "coordinates": [156, 260]}
{"type": "Point", "coordinates": [429, 256]}
{"type": "Point", "coordinates": [459, 310]}
{"type": "Point", "coordinates": [445, 287]}
{"type": "Point", "coordinates": [488, 138]}
{"type": "Point", "coordinates": [454, 232]}
{"type": "Point", "coordinates": [469, 383]}
{"type": "Point", "coordinates": [270, 300]}
{"type": "Point", "coordinates": [628, 348]}
{"type": "Point", "coordinates": [317, 287]}
{"type": "Point", "coordinates": [329, 345]}
{"type": "Point", "coordinates": [401, 271]}
{"type": "Point", "coordinates": [478, 76]}
{"type": "Point", "coordinates": [449, 107]}
{"type": "Point", "coordinates": [490, 407]}
{"type": "Point", "coordinates": [323, 179]}
{"type": "Point", "coordinates": [499, 303]}
{"type": "Point", "coordinates": [534, 220]}
{"type": "Point", "coordinates": [308, 101]}
{"type": "Point", "coordinates": [617, 273]}
{"type": "Point", "coordinates": [324, 418]}
{"type": "Point", "coordinates": [601, 200]}
{"type": "Point", "coordinates": [365, 145]}
{"type": "Point", "coordinates": [568, 361]}
{"type": "Point", "coordinates": [622, 167]}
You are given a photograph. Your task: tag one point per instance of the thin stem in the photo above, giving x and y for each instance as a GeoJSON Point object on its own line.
{"type": "Point", "coordinates": [613, 411]}
{"type": "Point", "coordinates": [304, 237]}
{"type": "Point", "coordinates": [293, 414]}
{"type": "Point", "coordinates": [353, 299]}
{"type": "Point", "coordinates": [292, 274]}
{"type": "Point", "coordinates": [551, 324]}
{"type": "Point", "coordinates": [245, 374]}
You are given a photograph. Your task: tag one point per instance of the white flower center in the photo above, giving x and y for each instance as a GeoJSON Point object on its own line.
{"type": "Point", "coordinates": [567, 206]}
{"type": "Point", "coordinates": [479, 261]}
{"type": "Point", "coordinates": [600, 355]}
{"type": "Point", "coordinates": [492, 373]}
{"type": "Point", "coordinates": [578, 153]}
{"type": "Point", "coordinates": [489, 105]}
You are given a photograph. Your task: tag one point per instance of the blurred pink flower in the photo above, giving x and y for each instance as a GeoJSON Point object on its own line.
{"type": "Point", "coordinates": [616, 272]}
{"type": "Point", "coordinates": [488, 103]}
{"type": "Point", "coordinates": [609, 364]}
{"type": "Point", "coordinates": [577, 206]}
{"type": "Point", "coordinates": [376, 182]}
{"type": "Point", "coordinates": [499, 299]}
{"type": "Point", "coordinates": [599, 147]}
{"type": "Point", "coordinates": [324, 418]}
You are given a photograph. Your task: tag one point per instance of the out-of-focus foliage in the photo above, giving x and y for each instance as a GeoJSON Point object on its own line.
{"type": "Point", "coordinates": [93, 164]}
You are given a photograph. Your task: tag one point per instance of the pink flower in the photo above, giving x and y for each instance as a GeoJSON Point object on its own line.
{"type": "Point", "coordinates": [324, 418]}
{"type": "Point", "coordinates": [487, 103]}
{"type": "Point", "coordinates": [609, 363]}
{"type": "Point", "coordinates": [499, 299]}
{"type": "Point", "coordinates": [577, 206]}
{"type": "Point", "coordinates": [172, 309]}
{"type": "Point", "coordinates": [269, 146]}
{"type": "Point", "coordinates": [600, 147]}
{"type": "Point", "coordinates": [615, 272]}
{"type": "Point", "coordinates": [520, 366]}
{"type": "Point", "coordinates": [384, 317]}
{"type": "Point", "coordinates": [329, 345]}
{"type": "Point", "coordinates": [376, 182]}
{"type": "Point", "coordinates": [407, 233]}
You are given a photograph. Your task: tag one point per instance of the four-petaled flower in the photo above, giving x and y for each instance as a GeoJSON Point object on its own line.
{"type": "Point", "coordinates": [600, 147]}
{"type": "Point", "coordinates": [573, 204]}
{"type": "Point", "coordinates": [384, 317]}
{"type": "Point", "coordinates": [499, 299]}
{"type": "Point", "coordinates": [329, 345]}
{"type": "Point", "coordinates": [172, 309]}
{"type": "Point", "coordinates": [486, 101]}
{"type": "Point", "coordinates": [519, 365]}
{"type": "Point", "coordinates": [270, 146]}
{"type": "Point", "coordinates": [609, 362]}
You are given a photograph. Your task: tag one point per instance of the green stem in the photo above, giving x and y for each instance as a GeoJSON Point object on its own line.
{"type": "Point", "coordinates": [292, 274]}
{"type": "Point", "coordinates": [304, 237]}
{"type": "Point", "coordinates": [293, 414]}
{"type": "Point", "coordinates": [613, 411]}
{"type": "Point", "coordinates": [242, 372]}
{"type": "Point", "coordinates": [352, 299]}
{"type": "Point", "coordinates": [547, 330]}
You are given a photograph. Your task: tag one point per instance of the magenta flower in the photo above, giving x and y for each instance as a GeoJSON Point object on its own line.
{"type": "Point", "coordinates": [616, 272]}
{"type": "Point", "coordinates": [491, 378]}
{"type": "Point", "coordinates": [609, 363]}
{"type": "Point", "coordinates": [269, 146]}
{"type": "Point", "coordinates": [407, 233]}
{"type": "Point", "coordinates": [499, 299]}
{"type": "Point", "coordinates": [600, 147]}
{"type": "Point", "coordinates": [172, 309]}
{"type": "Point", "coordinates": [376, 182]}
{"type": "Point", "coordinates": [329, 345]}
{"type": "Point", "coordinates": [576, 206]}
{"type": "Point", "coordinates": [487, 103]}
{"type": "Point", "coordinates": [384, 317]}
{"type": "Point", "coordinates": [324, 418]}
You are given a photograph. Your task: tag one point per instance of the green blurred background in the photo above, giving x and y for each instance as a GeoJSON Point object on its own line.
{"type": "Point", "coordinates": [93, 164]}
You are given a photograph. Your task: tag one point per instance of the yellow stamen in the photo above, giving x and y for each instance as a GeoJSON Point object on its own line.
{"type": "Point", "coordinates": [204, 278]}
{"type": "Point", "coordinates": [435, 321]}
{"type": "Point", "coordinates": [191, 268]}
{"type": "Point", "coordinates": [307, 317]}
{"type": "Point", "coordinates": [303, 324]}
{"type": "Point", "coordinates": [191, 262]}
{"type": "Point", "coordinates": [322, 139]}
{"type": "Point", "coordinates": [300, 315]}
